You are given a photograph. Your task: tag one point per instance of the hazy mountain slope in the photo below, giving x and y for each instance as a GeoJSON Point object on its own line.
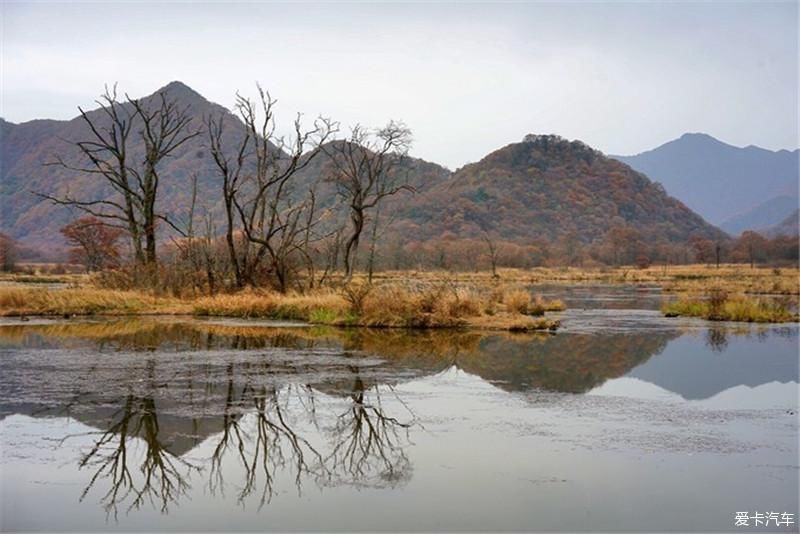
{"type": "Point", "coordinates": [717, 180]}
{"type": "Point", "coordinates": [789, 227]}
{"type": "Point", "coordinates": [769, 213]}
{"type": "Point", "coordinates": [548, 187]}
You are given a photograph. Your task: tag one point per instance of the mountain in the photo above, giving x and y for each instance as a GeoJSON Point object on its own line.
{"type": "Point", "coordinates": [789, 227]}
{"type": "Point", "coordinates": [769, 213]}
{"type": "Point", "coordinates": [548, 187]}
{"type": "Point", "coordinates": [544, 187]}
{"type": "Point", "coordinates": [717, 180]}
{"type": "Point", "coordinates": [26, 148]}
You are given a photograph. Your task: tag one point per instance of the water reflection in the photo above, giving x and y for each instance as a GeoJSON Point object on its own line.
{"type": "Point", "coordinates": [246, 412]}
{"type": "Point", "coordinates": [717, 338]}
{"type": "Point", "coordinates": [164, 474]}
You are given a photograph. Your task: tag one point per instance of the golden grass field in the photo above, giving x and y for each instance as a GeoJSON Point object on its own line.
{"type": "Point", "coordinates": [428, 299]}
{"type": "Point", "coordinates": [672, 278]}
{"type": "Point", "coordinates": [386, 306]}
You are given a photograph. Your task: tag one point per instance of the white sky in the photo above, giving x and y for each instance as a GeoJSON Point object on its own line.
{"type": "Point", "coordinates": [466, 77]}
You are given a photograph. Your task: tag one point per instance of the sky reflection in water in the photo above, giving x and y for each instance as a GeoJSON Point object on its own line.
{"type": "Point", "coordinates": [205, 425]}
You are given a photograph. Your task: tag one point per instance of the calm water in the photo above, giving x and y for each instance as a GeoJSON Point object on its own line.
{"type": "Point", "coordinates": [621, 421]}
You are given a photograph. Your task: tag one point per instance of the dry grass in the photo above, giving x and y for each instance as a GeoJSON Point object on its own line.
{"type": "Point", "coordinates": [385, 306]}
{"type": "Point", "coordinates": [266, 304]}
{"type": "Point", "coordinates": [540, 305]}
{"type": "Point", "coordinates": [717, 305]}
{"type": "Point", "coordinates": [16, 301]}
{"type": "Point", "coordinates": [447, 305]}
{"type": "Point", "coordinates": [517, 301]}
{"type": "Point", "coordinates": [438, 306]}
{"type": "Point", "coordinates": [676, 278]}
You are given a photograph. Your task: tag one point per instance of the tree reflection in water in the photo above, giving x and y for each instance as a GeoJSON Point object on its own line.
{"type": "Point", "coordinates": [274, 445]}
{"type": "Point", "coordinates": [262, 408]}
{"type": "Point", "coordinates": [164, 475]}
{"type": "Point", "coordinates": [367, 440]}
{"type": "Point", "coordinates": [717, 338]}
{"type": "Point", "coordinates": [266, 429]}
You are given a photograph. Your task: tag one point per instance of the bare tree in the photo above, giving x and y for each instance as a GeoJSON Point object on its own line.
{"type": "Point", "coordinates": [259, 189]}
{"type": "Point", "coordinates": [8, 253]}
{"type": "Point", "coordinates": [110, 153]}
{"type": "Point", "coordinates": [362, 172]}
{"type": "Point", "coordinates": [201, 252]}
{"type": "Point", "coordinates": [491, 245]}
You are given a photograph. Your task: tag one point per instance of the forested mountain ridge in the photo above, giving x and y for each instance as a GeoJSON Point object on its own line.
{"type": "Point", "coordinates": [544, 188]}
{"type": "Point", "coordinates": [547, 187]}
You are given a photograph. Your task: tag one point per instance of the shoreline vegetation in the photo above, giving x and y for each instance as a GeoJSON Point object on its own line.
{"type": "Point", "coordinates": [428, 299]}
{"type": "Point", "coordinates": [357, 305]}
{"type": "Point", "coordinates": [717, 305]}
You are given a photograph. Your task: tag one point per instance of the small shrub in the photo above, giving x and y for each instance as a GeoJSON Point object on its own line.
{"type": "Point", "coordinates": [355, 294]}
{"type": "Point", "coordinates": [517, 301]}
{"type": "Point", "coordinates": [464, 303]}
{"type": "Point", "coordinates": [322, 316]}
{"type": "Point", "coordinates": [717, 297]}
{"type": "Point", "coordinates": [539, 305]}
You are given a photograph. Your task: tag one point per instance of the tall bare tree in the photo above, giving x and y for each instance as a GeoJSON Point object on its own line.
{"type": "Point", "coordinates": [259, 188]}
{"type": "Point", "coordinates": [361, 169]}
{"type": "Point", "coordinates": [111, 153]}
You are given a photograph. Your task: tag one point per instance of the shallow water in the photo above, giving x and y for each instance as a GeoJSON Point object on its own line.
{"type": "Point", "coordinates": [622, 421]}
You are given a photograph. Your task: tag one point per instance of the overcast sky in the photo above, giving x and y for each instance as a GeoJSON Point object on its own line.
{"type": "Point", "coordinates": [467, 78]}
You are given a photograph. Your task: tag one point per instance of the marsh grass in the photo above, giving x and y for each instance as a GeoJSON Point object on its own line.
{"type": "Point", "coordinates": [17, 301]}
{"type": "Point", "coordinates": [735, 278]}
{"type": "Point", "coordinates": [718, 305]}
{"type": "Point", "coordinates": [252, 304]}
{"type": "Point", "coordinates": [538, 306]}
{"type": "Point", "coordinates": [521, 301]}
{"type": "Point", "coordinates": [416, 306]}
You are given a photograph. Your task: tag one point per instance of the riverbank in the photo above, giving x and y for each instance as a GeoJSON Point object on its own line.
{"type": "Point", "coordinates": [385, 306]}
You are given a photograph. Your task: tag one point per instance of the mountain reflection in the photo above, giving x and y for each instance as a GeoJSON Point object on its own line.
{"type": "Point", "coordinates": [247, 411]}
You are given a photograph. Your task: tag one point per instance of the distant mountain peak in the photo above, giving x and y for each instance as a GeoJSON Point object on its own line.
{"type": "Point", "coordinates": [717, 179]}
{"type": "Point", "coordinates": [700, 140]}
{"type": "Point", "coordinates": [552, 140]}
{"type": "Point", "coordinates": [180, 91]}
{"type": "Point", "coordinates": [698, 135]}
{"type": "Point", "coordinates": [176, 85]}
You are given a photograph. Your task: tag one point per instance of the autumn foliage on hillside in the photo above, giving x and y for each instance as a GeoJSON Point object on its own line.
{"type": "Point", "coordinates": [549, 188]}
